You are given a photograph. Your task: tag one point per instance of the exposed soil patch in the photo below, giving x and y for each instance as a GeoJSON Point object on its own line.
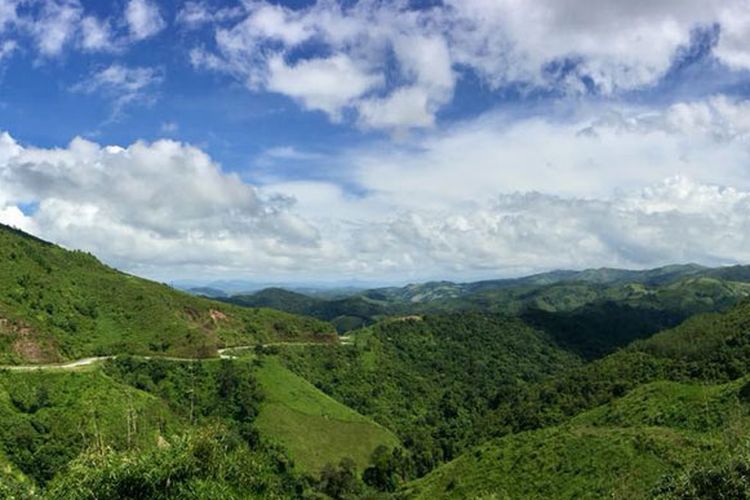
{"type": "Point", "coordinates": [217, 316]}
{"type": "Point", "coordinates": [27, 343]}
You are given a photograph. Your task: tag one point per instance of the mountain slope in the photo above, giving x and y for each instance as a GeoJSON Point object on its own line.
{"type": "Point", "coordinates": [432, 379]}
{"type": "Point", "coordinates": [316, 429]}
{"type": "Point", "coordinates": [346, 314]}
{"type": "Point", "coordinates": [57, 304]}
{"type": "Point", "coordinates": [135, 428]}
{"type": "Point", "coordinates": [619, 450]}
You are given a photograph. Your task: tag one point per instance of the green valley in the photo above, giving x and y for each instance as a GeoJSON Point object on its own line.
{"type": "Point", "coordinates": [591, 384]}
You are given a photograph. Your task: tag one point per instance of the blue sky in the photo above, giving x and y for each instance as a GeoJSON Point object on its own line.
{"type": "Point", "coordinates": [386, 140]}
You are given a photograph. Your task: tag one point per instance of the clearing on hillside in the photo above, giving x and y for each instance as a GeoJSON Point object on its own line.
{"type": "Point", "coordinates": [313, 427]}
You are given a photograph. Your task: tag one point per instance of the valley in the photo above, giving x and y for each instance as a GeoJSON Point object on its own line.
{"type": "Point", "coordinates": [591, 384]}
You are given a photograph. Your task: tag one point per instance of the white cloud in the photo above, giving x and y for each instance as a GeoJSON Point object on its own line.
{"type": "Point", "coordinates": [619, 187]}
{"type": "Point", "coordinates": [53, 26]}
{"type": "Point", "coordinates": [568, 45]}
{"type": "Point", "coordinates": [353, 77]}
{"type": "Point", "coordinates": [150, 204]}
{"type": "Point", "coordinates": [8, 13]}
{"type": "Point", "coordinates": [56, 25]}
{"type": "Point", "coordinates": [96, 35]}
{"type": "Point", "coordinates": [7, 48]}
{"type": "Point", "coordinates": [529, 232]}
{"type": "Point", "coordinates": [735, 35]}
{"type": "Point", "coordinates": [143, 18]}
{"type": "Point", "coordinates": [403, 109]}
{"type": "Point", "coordinates": [327, 85]}
{"type": "Point", "coordinates": [123, 84]}
{"type": "Point", "coordinates": [197, 13]}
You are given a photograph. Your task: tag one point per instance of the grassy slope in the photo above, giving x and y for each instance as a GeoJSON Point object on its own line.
{"type": "Point", "coordinates": [56, 304]}
{"type": "Point", "coordinates": [313, 427]}
{"type": "Point", "coordinates": [619, 450]}
{"type": "Point", "coordinates": [51, 417]}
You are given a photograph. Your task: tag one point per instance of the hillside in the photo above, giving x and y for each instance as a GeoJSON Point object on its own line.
{"type": "Point", "coordinates": [126, 422]}
{"type": "Point", "coordinates": [567, 384]}
{"type": "Point", "coordinates": [625, 449]}
{"type": "Point", "coordinates": [135, 428]}
{"type": "Point", "coordinates": [57, 304]}
{"type": "Point", "coordinates": [433, 379]}
{"type": "Point", "coordinates": [590, 312]}
{"type": "Point", "coordinates": [710, 348]}
{"type": "Point", "coordinates": [316, 429]}
{"type": "Point", "coordinates": [346, 314]}
{"type": "Point", "coordinates": [442, 290]}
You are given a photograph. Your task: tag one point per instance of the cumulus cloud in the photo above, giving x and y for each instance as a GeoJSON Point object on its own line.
{"type": "Point", "coordinates": [570, 46]}
{"type": "Point", "coordinates": [161, 203]}
{"type": "Point", "coordinates": [360, 38]}
{"type": "Point", "coordinates": [321, 84]}
{"type": "Point", "coordinates": [619, 187]}
{"type": "Point", "coordinates": [533, 231]}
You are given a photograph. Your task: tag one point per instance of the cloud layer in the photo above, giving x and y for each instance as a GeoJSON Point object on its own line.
{"type": "Point", "coordinates": [395, 67]}
{"type": "Point", "coordinates": [619, 187]}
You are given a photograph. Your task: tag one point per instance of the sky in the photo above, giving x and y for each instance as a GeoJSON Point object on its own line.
{"type": "Point", "coordinates": [377, 140]}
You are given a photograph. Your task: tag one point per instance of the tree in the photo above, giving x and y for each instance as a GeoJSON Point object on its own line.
{"type": "Point", "coordinates": [340, 482]}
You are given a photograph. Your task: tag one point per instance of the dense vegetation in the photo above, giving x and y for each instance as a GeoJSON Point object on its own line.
{"type": "Point", "coordinates": [56, 305]}
{"type": "Point", "coordinates": [552, 386]}
{"type": "Point", "coordinates": [346, 314]}
{"type": "Point", "coordinates": [591, 313]}
{"type": "Point", "coordinates": [139, 428]}
{"type": "Point", "coordinates": [433, 379]}
{"type": "Point", "coordinates": [633, 448]}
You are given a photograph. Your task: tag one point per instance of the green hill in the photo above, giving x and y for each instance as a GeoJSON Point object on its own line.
{"type": "Point", "coordinates": [709, 348]}
{"type": "Point", "coordinates": [136, 428]}
{"type": "Point", "coordinates": [49, 418]}
{"type": "Point", "coordinates": [57, 304]}
{"type": "Point", "coordinates": [590, 312]}
{"type": "Point", "coordinates": [624, 449]}
{"type": "Point", "coordinates": [127, 421]}
{"type": "Point", "coordinates": [276, 298]}
{"type": "Point", "coordinates": [346, 314]}
{"type": "Point", "coordinates": [432, 379]}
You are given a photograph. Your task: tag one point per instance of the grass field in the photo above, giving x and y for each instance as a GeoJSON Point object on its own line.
{"type": "Point", "coordinates": [313, 427]}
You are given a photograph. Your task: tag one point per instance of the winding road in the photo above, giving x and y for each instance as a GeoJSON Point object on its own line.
{"type": "Point", "coordinates": [224, 353]}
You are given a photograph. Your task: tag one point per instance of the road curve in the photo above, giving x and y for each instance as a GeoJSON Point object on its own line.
{"type": "Point", "coordinates": [71, 365]}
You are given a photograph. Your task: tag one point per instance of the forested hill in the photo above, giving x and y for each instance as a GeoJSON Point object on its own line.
{"type": "Point", "coordinates": [664, 417]}
{"type": "Point", "coordinates": [433, 379]}
{"type": "Point", "coordinates": [57, 304]}
{"type": "Point", "coordinates": [591, 313]}
{"type": "Point", "coordinates": [346, 314]}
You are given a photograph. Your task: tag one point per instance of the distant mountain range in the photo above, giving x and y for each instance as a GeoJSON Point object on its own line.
{"type": "Point", "coordinates": [572, 305]}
